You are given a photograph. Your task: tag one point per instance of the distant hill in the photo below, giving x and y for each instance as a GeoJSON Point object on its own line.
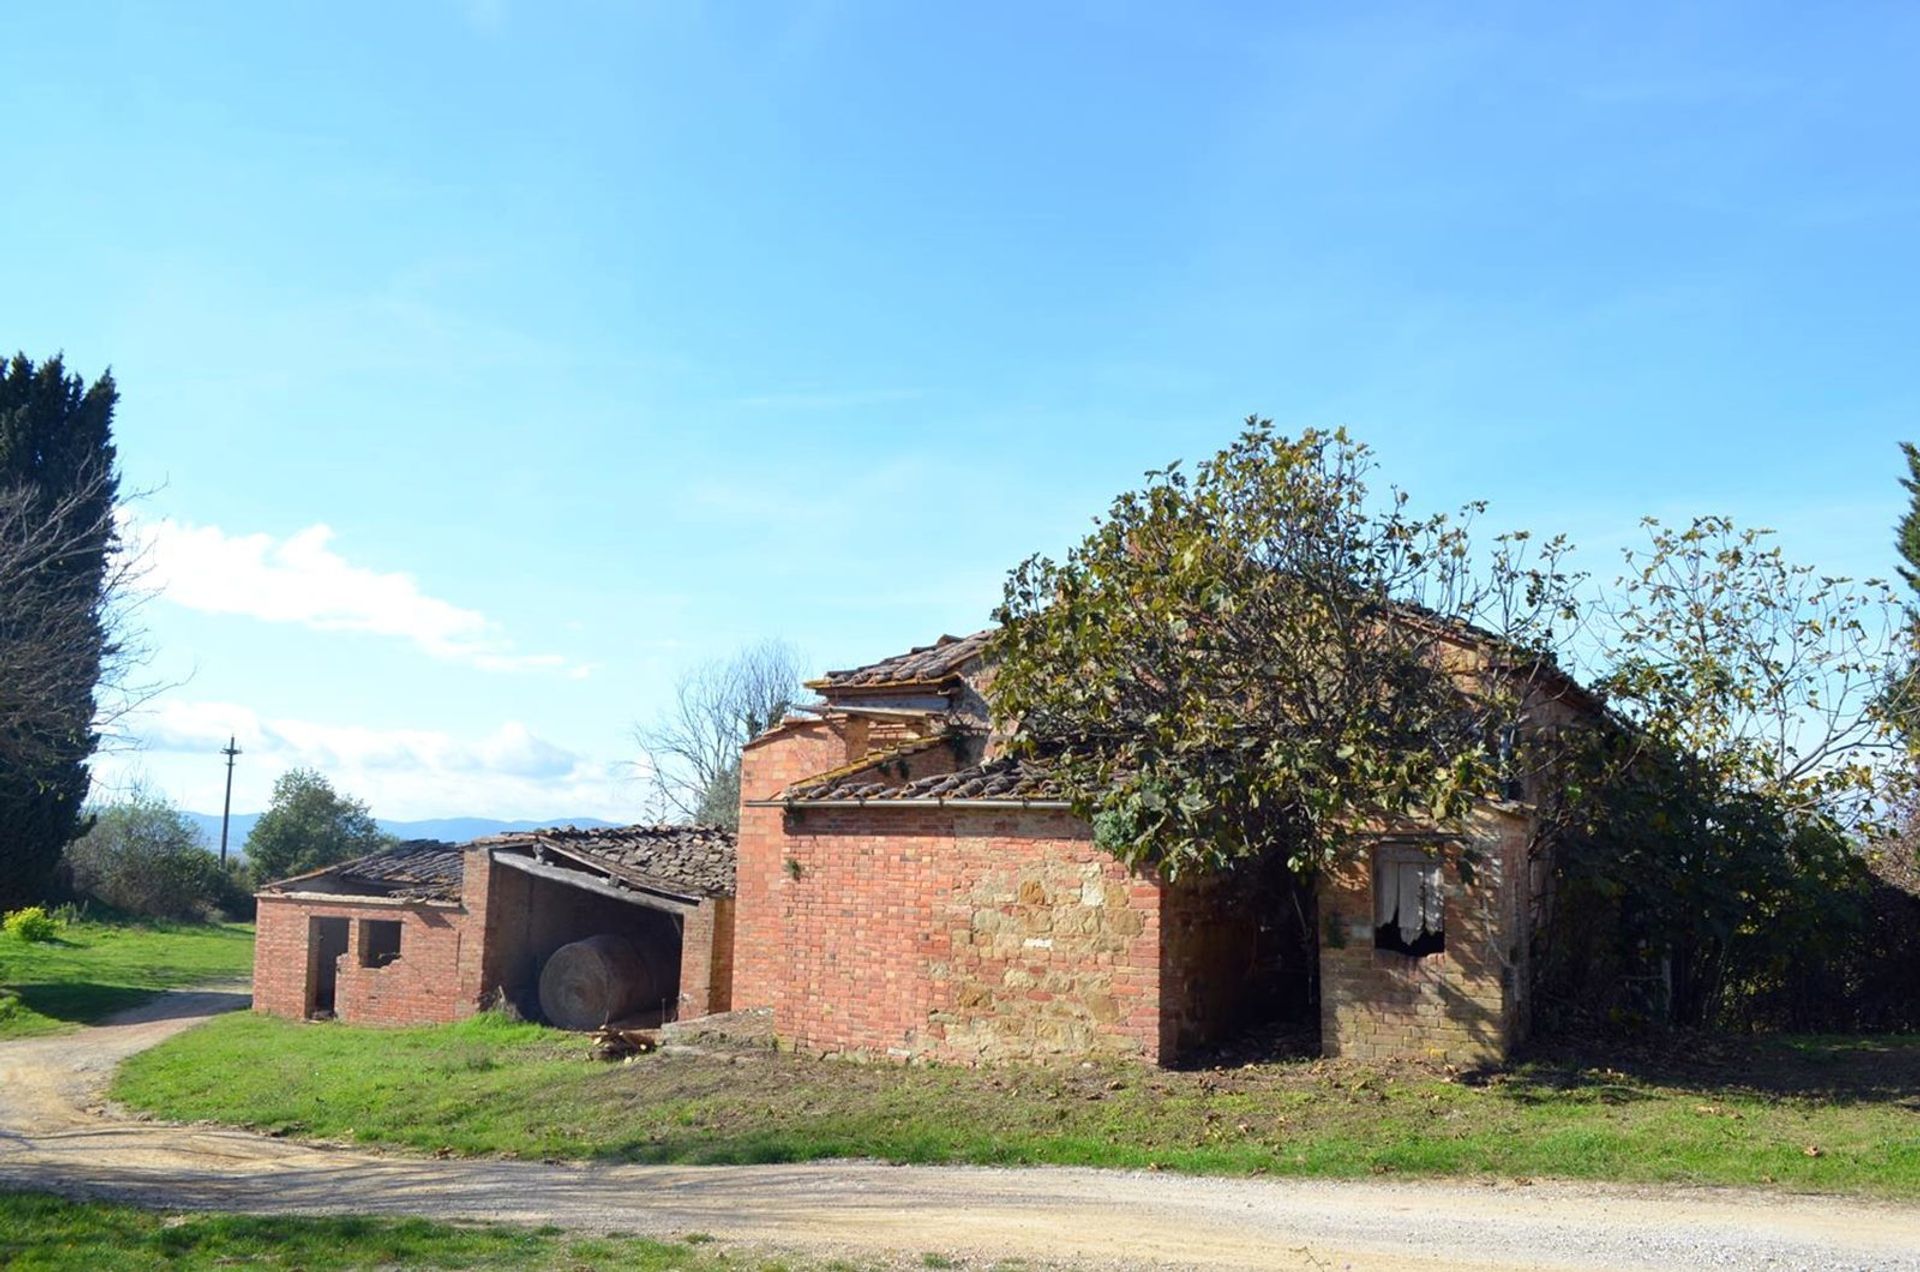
{"type": "Point", "coordinates": [456, 830]}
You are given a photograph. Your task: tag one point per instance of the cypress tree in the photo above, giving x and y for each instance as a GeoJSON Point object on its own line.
{"type": "Point", "coordinates": [1907, 533]}
{"type": "Point", "coordinates": [58, 479]}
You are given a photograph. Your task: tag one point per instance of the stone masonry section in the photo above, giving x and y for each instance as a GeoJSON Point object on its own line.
{"type": "Point", "coordinates": [957, 934]}
{"type": "Point", "coordinates": [1462, 1005]}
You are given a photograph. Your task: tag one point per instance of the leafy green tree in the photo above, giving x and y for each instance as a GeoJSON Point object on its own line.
{"type": "Point", "coordinates": [57, 491]}
{"type": "Point", "coordinates": [1770, 675]}
{"type": "Point", "coordinates": [1709, 849]}
{"type": "Point", "coordinates": [307, 826]}
{"type": "Point", "coordinates": [142, 855]}
{"type": "Point", "coordinates": [1266, 657]}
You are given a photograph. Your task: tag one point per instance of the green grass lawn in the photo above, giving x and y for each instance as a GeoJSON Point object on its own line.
{"type": "Point", "coordinates": [1821, 1114]}
{"type": "Point", "coordinates": [40, 1231]}
{"type": "Point", "coordinates": [96, 968]}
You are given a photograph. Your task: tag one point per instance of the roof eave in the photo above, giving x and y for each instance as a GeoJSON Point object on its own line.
{"type": "Point", "coordinates": [354, 898]}
{"type": "Point", "coordinates": [821, 686]}
{"type": "Point", "coordinates": [934, 802]}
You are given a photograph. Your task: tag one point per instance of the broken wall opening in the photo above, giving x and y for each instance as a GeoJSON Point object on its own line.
{"type": "Point", "coordinates": [379, 942]}
{"type": "Point", "coordinates": [529, 919]}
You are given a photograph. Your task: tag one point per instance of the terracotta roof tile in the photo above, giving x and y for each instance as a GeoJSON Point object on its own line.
{"type": "Point", "coordinates": [927, 665]}
{"type": "Point", "coordinates": [415, 869]}
{"type": "Point", "coordinates": [870, 767]}
{"type": "Point", "coordinates": [1004, 778]}
{"type": "Point", "coordinates": [683, 860]}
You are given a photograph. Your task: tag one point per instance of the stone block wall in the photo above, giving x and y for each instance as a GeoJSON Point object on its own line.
{"type": "Point", "coordinates": [1464, 1005]}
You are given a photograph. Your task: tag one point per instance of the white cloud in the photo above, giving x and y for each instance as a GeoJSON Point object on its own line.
{"type": "Point", "coordinates": [301, 579]}
{"type": "Point", "coordinates": [404, 774]}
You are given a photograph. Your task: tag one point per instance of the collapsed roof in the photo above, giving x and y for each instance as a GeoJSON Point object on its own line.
{"type": "Point", "coordinates": [412, 870]}
{"type": "Point", "coordinates": [687, 862]}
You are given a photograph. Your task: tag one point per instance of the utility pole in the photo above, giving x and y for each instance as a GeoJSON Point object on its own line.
{"type": "Point", "coordinates": [226, 810]}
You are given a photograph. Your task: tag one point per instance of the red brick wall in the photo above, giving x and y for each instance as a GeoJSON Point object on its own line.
{"type": "Point", "coordinates": [706, 959]}
{"type": "Point", "coordinates": [943, 933]}
{"type": "Point", "coordinates": [280, 958]}
{"type": "Point", "coordinates": [420, 987]}
{"type": "Point", "coordinates": [959, 935]}
{"type": "Point", "coordinates": [456, 959]}
{"type": "Point", "coordinates": [768, 765]}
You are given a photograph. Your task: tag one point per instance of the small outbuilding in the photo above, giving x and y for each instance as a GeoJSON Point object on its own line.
{"type": "Point", "coordinates": [427, 932]}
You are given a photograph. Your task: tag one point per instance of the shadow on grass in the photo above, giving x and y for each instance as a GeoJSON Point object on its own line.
{"type": "Point", "coordinates": [777, 1148]}
{"type": "Point", "coordinates": [89, 1002]}
{"type": "Point", "coordinates": [78, 1002]}
{"type": "Point", "coordinates": [1883, 1069]}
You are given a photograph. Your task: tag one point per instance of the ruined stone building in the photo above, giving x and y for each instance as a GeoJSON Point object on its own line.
{"type": "Point", "coordinates": [905, 891]}
{"type": "Point", "coordinates": [901, 889]}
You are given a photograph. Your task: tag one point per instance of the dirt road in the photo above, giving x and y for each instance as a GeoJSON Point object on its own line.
{"type": "Point", "coordinates": [55, 1134]}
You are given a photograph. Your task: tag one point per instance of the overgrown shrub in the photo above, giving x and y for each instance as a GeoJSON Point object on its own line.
{"type": "Point", "coordinates": [144, 857]}
{"type": "Point", "coordinates": [1678, 900]}
{"type": "Point", "coordinates": [31, 924]}
{"type": "Point", "coordinates": [234, 894]}
{"type": "Point", "coordinates": [1886, 986]}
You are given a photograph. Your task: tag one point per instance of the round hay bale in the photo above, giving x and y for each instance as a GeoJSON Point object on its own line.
{"type": "Point", "coordinates": [590, 983]}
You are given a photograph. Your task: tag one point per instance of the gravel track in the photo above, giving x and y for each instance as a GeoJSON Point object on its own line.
{"type": "Point", "coordinates": [56, 1133]}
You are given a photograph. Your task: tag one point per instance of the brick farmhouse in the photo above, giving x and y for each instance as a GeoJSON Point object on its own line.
{"type": "Point", "coordinates": [900, 888]}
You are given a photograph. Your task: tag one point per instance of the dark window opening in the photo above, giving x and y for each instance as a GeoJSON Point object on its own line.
{"type": "Point", "coordinates": [326, 942]}
{"type": "Point", "coordinates": [379, 942]}
{"type": "Point", "coordinates": [1409, 903]}
{"type": "Point", "coordinates": [1508, 749]}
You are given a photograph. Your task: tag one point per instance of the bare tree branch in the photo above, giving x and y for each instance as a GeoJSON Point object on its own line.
{"type": "Point", "coordinates": [692, 750]}
{"type": "Point", "coordinates": [59, 636]}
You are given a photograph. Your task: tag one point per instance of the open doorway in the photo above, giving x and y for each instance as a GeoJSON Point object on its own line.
{"type": "Point", "coordinates": [326, 942]}
{"type": "Point", "coordinates": [537, 916]}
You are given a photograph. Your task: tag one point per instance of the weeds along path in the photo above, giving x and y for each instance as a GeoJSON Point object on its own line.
{"type": "Point", "coordinates": [56, 1134]}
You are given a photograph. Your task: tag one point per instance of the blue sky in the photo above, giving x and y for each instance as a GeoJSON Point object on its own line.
{"type": "Point", "coordinates": [497, 362]}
